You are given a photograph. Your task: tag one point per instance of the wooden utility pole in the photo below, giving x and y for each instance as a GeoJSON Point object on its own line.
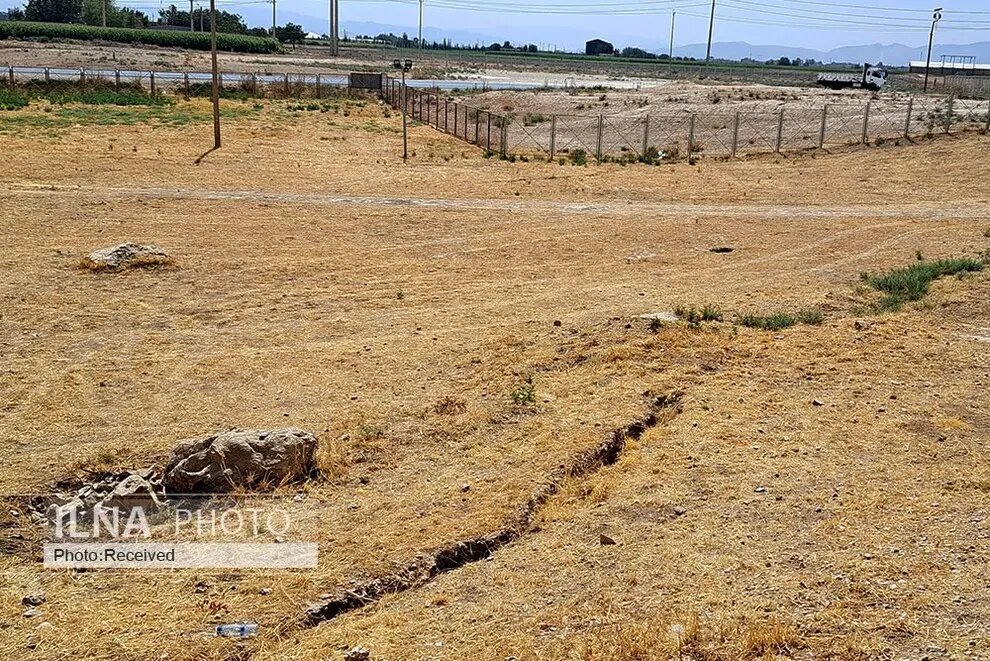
{"type": "Point", "coordinates": [216, 73]}
{"type": "Point", "coordinates": [103, 10]}
{"type": "Point", "coordinates": [192, 27]}
{"type": "Point", "coordinates": [273, 18]}
{"type": "Point", "coordinates": [421, 24]}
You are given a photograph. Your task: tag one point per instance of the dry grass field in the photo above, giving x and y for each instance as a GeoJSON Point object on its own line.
{"type": "Point", "coordinates": [814, 492]}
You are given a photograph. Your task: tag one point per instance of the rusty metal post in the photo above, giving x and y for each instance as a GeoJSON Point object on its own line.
{"type": "Point", "coordinates": [821, 129]}
{"type": "Point", "coordinates": [780, 130]}
{"type": "Point", "coordinates": [735, 134]}
{"type": "Point", "coordinates": [185, 82]}
{"type": "Point", "coordinates": [116, 78]}
{"type": "Point", "coordinates": [646, 137]}
{"type": "Point", "coordinates": [489, 115]}
{"type": "Point", "coordinates": [866, 123]}
{"type": "Point", "coordinates": [152, 76]}
{"type": "Point", "coordinates": [601, 131]}
{"type": "Point", "coordinates": [690, 144]}
{"type": "Point", "coordinates": [907, 122]}
{"type": "Point", "coordinates": [553, 137]}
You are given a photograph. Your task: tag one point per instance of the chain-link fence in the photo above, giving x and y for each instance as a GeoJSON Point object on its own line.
{"type": "Point", "coordinates": [653, 137]}
{"type": "Point", "coordinates": [687, 134]}
{"type": "Point", "coordinates": [187, 83]}
{"type": "Point", "coordinates": [473, 125]}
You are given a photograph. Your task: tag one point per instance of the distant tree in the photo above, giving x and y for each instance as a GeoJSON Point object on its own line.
{"type": "Point", "coordinates": [784, 62]}
{"type": "Point", "coordinates": [796, 62]}
{"type": "Point", "coordinates": [663, 56]}
{"type": "Point", "coordinates": [15, 14]}
{"type": "Point", "coordinates": [117, 17]}
{"type": "Point", "coordinates": [53, 11]}
{"type": "Point", "coordinates": [638, 53]}
{"type": "Point", "coordinates": [532, 48]}
{"type": "Point", "coordinates": [495, 46]}
{"type": "Point", "coordinates": [507, 45]}
{"type": "Point", "coordinates": [290, 33]}
{"type": "Point", "coordinates": [226, 21]}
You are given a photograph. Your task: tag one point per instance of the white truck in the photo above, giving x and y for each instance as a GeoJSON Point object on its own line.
{"type": "Point", "coordinates": [872, 78]}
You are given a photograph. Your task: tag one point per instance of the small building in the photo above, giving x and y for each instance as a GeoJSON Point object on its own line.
{"type": "Point", "coordinates": [599, 47]}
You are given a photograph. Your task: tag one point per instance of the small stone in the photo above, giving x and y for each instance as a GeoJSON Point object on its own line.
{"type": "Point", "coordinates": [465, 487]}
{"type": "Point", "coordinates": [265, 591]}
{"type": "Point", "coordinates": [605, 540]}
{"type": "Point", "coordinates": [760, 489]}
{"type": "Point", "coordinates": [15, 513]}
{"type": "Point", "coordinates": [557, 322]}
{"type": "Point", "coordinates": [33, 599]}
{"type": "Point", "coordinates": [680, 511]}
{"type": "Point", "coordinates": [862, 325]}
{"type": "Point", "coordinates": [721, 250]}
{"type": "Point", "coordinates": [817, 402]}
{"type": "Point", "coordinates": [30, 612]}
{"type": "Point", "coordinates": [357, 654]}
{"type": "Point", "coordinates": [668, 317]}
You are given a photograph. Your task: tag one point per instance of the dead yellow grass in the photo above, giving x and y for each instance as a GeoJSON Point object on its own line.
{"type": "Point", "coordinates": [755, 523]}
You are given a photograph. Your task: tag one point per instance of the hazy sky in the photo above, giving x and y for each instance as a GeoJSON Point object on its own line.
{"type": "Point", "coordinates": [820, 24]}
{"type": "Point", "coordinates": [815, 24]}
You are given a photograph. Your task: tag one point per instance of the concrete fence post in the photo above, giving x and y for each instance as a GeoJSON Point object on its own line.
{"type": "Point", "coordinates": [48, 75]}
{"type": "Point", "coordinates": [446, 115]}
{"type": "Point", "coordinates": [866, 123]}
{"type": "Point", "coordinates": [553, 137]}
{"type": "Point", "coordinates": [986, 127]}
{"type": "Point", "coordinates": [949, 103]}
{"type": "Point", "coordinates": [456, 113]}
{"type": "Point", "coordinates": [821, 129]}
{"type": "Point", "coordinates": [646, 136]}
{"type": "Point", "coordinates": [286, 83]}
{"type": "Point", "coordinates": [185, 82]}
{"type": "Point", "coordinates": [601, 133]}
{"type": "Point", "coordinates": [10, 75]}
{"type": "Point", "coordinates": [82, 76]}
{"type": "Point", "coordinates": [690, 144]}
{"type": "Point", "coordinates": [477, 125]}
{"type": "Point", "coordinates": [780, 130]}
{"type": "Point", "coordinates": [735, 134]}
{"type": "Point", "coordinates": [219, 80]}
{"type": "Point", "coordinates": [488, 114]}
{"type": "Point", "coordinates": [319, 89]}
{"type": "Point", "coordinates": [151, 76]}
{"type": "Point", "coordinates": [907, 120]}
{"type": "Point", "coordinates": [116, 78]}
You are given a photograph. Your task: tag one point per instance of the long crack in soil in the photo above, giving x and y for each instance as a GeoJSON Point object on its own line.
{"type": "Point", "coordinates": [458, 554]}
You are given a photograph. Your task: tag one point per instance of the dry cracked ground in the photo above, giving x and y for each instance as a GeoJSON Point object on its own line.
{"type": "Point", "coordinates": [457, 329]}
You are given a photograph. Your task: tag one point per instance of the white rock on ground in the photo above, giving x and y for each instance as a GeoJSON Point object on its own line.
{"type": "Point", "coordinates": [239, 458]}
{"type": "Point", "coordinates": [127, 255]}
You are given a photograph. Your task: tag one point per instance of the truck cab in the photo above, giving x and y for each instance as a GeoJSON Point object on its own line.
{"type": "Point", "coordinates": [874, 78]}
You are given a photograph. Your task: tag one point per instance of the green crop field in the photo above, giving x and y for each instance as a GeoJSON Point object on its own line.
{"type": "Point", "coordinates": [194, 40]}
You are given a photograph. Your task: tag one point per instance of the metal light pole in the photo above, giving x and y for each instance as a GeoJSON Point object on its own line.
{"type": "Point", "coordinates": [421, 24]}
{"type": "Point", "coordinates": [673, 17]}
{"type": "Point", "coordinates": [404, 65]}
{"type": "Point", "coordinates": [936, 17]}
{"type": "Point", "coordinates": [273, 19]}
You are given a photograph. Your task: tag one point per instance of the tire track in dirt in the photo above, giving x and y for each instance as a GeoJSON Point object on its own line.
{"type": "Point", "coordinates": [930, 211]}
{"type": "Point", "coordinates": [464, 552]}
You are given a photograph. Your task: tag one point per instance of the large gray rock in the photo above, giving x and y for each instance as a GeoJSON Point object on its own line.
{"type": "Point", "coordinates": [126, 255]}
{"type": "Point", "coordinates": [239, 458]}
